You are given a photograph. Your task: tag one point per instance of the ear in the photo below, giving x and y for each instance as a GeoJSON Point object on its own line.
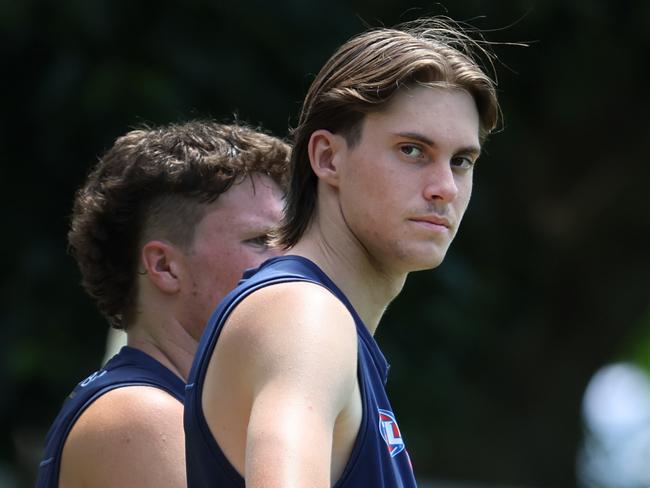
{"type": "Point", "coordinates": [326, 151]}
{"type": "Point", "coordinates": [162, 264]}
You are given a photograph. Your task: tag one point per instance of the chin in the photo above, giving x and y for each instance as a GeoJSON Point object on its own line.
{"type": "Point", "coordinates": [404, 257]}
{"type": "Point", "coordinates": [428, 265]}
{"type": "Point", "coordinates": [423, 263]}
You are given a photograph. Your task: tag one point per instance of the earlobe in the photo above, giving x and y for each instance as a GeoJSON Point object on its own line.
{"type": "Point", "coordinates": [158, 259]}
{"type": "Point", "coordinates": [325, 152]}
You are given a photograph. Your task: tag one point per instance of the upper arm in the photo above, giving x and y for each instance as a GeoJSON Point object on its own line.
{"type": "Point", "coordinates": [296, 346]}
{"type": "Point", "coordinates": [129, 437]}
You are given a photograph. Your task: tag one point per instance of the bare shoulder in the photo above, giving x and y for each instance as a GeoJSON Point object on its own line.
{"type": "Point", "coordinates": [290, 316]}
{"type": "Point", "coordinates": [291, 327]}
{"type": "Point", "coordinates": [130, 436]}
{"type": "Point", "coordinates": [287, 355]}
{"type": "Point", "coordinates": [304, 302]}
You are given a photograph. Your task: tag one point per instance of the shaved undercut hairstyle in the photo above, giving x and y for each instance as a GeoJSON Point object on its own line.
{"type": "Point", "coordinates": [363, 76]}
{"type": "Point", "coordinates": [155, 183]}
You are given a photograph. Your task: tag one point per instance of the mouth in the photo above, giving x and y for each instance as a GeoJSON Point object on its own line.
{"type": "Point", "coordinates": [432, 222]}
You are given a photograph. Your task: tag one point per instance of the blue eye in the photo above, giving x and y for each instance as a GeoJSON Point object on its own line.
{"type": "Point", "coordinates": [260, 241]}
{"type": "Point", "coordinates": [462, 162]}
{"type": "Point", "coordinates": [411, 151]}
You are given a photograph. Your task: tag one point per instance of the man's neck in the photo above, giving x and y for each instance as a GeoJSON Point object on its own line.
{"type": "Point", "coordinates": [169, 345]}
{"type": "Point", "coordinates": [369, 288]}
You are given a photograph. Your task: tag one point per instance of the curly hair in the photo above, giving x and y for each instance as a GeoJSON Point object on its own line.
{"type": "Point", "coordinates": [158, 181]}
{"type": "Point", "coordinates": [363, 76]}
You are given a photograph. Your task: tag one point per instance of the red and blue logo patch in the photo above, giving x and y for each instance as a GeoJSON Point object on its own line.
{"type": "Point", "coordinates": [390, 432]}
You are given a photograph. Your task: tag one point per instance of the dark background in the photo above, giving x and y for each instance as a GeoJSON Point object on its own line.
{"type": "Point", "coordinates": [547, 280]}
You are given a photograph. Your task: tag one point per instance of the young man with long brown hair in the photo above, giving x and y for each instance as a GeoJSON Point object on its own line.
{"type": "Point", "coordinates": [287, 389]}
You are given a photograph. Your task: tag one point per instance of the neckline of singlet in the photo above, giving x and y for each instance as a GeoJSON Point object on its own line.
{"type": "Point", "coordinates": [130, 356]}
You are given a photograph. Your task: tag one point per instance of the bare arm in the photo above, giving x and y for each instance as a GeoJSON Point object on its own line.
{"type": "Point", "coordinates": [129, 437]}
{"type": "Point", "coordinates": [297, 351]}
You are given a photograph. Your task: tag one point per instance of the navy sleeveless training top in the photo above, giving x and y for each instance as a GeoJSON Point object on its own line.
{"type": "Point", "coordinates": [379, 457]}
{"type": "Point", "coordinates": [129, 367]}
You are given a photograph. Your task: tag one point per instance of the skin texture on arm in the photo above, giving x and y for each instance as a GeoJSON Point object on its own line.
{"type": "Point", "coordinates": [289, 353]}
{"type": "Point", "coordinates": [130, 437]}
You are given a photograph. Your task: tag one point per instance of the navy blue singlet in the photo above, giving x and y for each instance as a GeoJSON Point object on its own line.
{"type": "Point", "coordinates": [130, 367]}
{"type": "Point", "coordinates": [378, 459]}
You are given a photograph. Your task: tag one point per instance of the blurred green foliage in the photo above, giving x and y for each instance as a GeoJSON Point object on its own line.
{"type": "Point", "coordinates": [547, 280]}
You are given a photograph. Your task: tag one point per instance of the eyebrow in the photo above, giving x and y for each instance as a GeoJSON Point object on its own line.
{"type": "Point", "coordinates": [473, 150]}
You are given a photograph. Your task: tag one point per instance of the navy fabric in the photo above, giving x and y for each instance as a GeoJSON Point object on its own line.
{"type": "Point", "coordinates": [130, 367]}
{"type": "Point", "coordinates": [379, 457]}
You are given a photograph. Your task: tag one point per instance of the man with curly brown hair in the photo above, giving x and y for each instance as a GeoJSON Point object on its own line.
{"type": "Point", "coordinates": [162, 229]}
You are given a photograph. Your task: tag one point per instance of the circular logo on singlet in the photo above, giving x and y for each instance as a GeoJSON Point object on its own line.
{"type": "Point", "coordinates": [390, 432]}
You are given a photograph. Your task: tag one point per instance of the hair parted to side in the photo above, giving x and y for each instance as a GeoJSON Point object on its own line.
{"type": "Point", "coordinates": [156, 183]}
{"type": "Point", "coordinates": [363, 76]}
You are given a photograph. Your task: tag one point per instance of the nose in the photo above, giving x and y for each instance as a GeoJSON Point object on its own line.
{"type": "Point", "coordinates": [440, 183]}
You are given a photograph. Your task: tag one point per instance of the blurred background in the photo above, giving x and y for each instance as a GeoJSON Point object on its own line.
{"type": "Point", "coordinates": [521, 361]}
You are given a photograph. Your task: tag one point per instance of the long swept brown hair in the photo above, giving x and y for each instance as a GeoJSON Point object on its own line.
{"type": "Point", "coordinates": [363, 76]}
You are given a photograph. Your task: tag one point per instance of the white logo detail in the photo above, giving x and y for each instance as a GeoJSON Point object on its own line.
{"type": "Point", "coordinates": [93, 377]}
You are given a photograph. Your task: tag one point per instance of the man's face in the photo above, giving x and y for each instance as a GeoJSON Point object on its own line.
{"type": "Point", "coordinates": [231, 237]}
{"type": "Point", "coordinates": [406, 184]}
